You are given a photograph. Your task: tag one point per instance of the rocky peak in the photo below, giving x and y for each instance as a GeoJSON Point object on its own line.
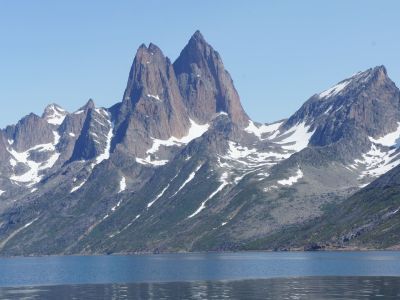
{"type": "Point", "coordinates": [30, 131]}
{"type": "Point", "coordinates": [358, 83]}
{"type": "Point", "coordinates": [95, 135]}
{"type": "Point", "coordinates": [366, 103]}
{"type": "Point", "coordinates": [89, 105]}
{"type": "Point", "coordinates": [152, 105]}
{"type": "Point", "coordinates": [205, 85]}
{"type": "Point", "coordinates": [54, 114]}
{"type": "Point", "coordinates": [148, 75]}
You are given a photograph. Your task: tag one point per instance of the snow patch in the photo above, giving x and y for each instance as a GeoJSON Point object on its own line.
{"type": "Point", "coordinates": [158, 196]}
{"type": "Point", "coordinates": [390, 139]}
{"type": "Point", "coordinates": [2, 192]}
{"type": "Point", "coordinates": [116, 206]}
{"type": "Point", "coordinates": [335, 90]}
{"type": "Point", "coordinates": [253, 156]}
{"type": "Point", "coordinates": [106, 154]}
{"type": "Point", "coordinates": [129, 224]}
{"type": "Point", "coordinates": [202, 206]}
{"type": "Point", "coordinates": [162, 192]}
{"type": "Point", "coordinates": [291, 180]}
{"type": "Point", "coordinates": [154, 97]}
{"type": "Point", "coordinates": [122, 185]}
{"type": "Point", "coordinates": [377, 162]}
{"type": "Point", "coordinates": [57, 115]}
{"type": "Point", "coordinates": [297, 139]}
{"type": "Point", "coordinates": [326, 112]}
{"type": "Point", "coordinates": [30, 223]}
{"type": "Point", "coordinates": [265, 128]}
{"type": "Point", "coordinates": [77, 187]}
{"type": "Point", "coordinates": [270, 188]}
{"type": "Point", "coordinates": [190, 178]}
{"type": "Point", "coordinates": [32, 176]}
{"type": "Point", "coordinates": [195, 131]}
{"type": "Point", "coordinates": [101, 157]}
{"type": "Point", "coordinates": [101, 111]}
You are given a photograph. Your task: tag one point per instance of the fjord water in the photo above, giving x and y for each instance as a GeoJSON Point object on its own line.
{"type": "Point", "coordinates": [294, 275]}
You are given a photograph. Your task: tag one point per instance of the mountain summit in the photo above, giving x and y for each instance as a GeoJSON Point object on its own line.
{"type": "Point", "coordinates": [205, 84]}
{"type": "Point", "coordinates": [177, 165]}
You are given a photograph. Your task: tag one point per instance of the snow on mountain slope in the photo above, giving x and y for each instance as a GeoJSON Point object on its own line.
{"type": "Point", "coordinates": [190, 178]}
{"type": "Point", "coordinates": [34, 173]}
{"type": "Point", "coordinates": [262, 129]}
{"type": "Point", "coordinates": [292, 179]}
{"type": "Point", "coordinates": [390, 140]}
{"type": "Point", "coordinates": [101, 134]}
{"type": "Point", "coordinates": [54, 114]}
{"type": "Point", "coordinates": [335, 90]}
{"type": "Point", "coordinates": [296, 138]}
{"type": "Point", "coordinates": [195, 131]}
{"type": "Point", "coordinates": [380, 158]}
{"type": "Point", "coordinates": [122, 185]}
{"type": "Point", "coordinates": [224, 182]}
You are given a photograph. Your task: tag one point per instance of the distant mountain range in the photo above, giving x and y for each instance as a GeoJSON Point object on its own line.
{"type": "Point", "coordinates": [178, 165]}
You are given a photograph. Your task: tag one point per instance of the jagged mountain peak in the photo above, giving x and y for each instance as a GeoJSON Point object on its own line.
{"type": "Point", "coordinates": [198, 41]}
{"type": "Point", "coordinates": [197, 35]}
{"type": "Point", "coordinates": [205, 85]}
{"type": "Point", "coordinates": [54, 114]}
{"type": "Point", "coordinates": [30, 131]}
{"type": "Point", "coordinates": [357, 82]}
{"type": "Point", "coordinates": [53, 106]}
{"type": "Point", "coordinates": [152, 105]}
{"type": "Point", "coordinates": [146, 54]}
{"type": "Point", "coordinates": [89, 105]}
{"type": "Point", "coordinates": [367, 103]}
{"type": "Point", "coordinates": [149, 71]}
{"type": "Point", "coordinates": [198, 51]}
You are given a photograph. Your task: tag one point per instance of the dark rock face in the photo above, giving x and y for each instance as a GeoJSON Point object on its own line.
{"type": "Point", "coordinates": [95, 131]}
{"type": "Point", "coordinates": [30, 131]}
{"type": "Point", "coordinates": [3, 147]}
{"type": "Point", "coordinates": [152, 105]}
{"type": "Point", "coordinates": [206, 86]}
{"type": "Point", "coordinates": [70, 130]}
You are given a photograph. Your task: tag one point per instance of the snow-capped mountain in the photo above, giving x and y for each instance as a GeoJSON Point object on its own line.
{"type": "Point", "coordinates": [179, 165]}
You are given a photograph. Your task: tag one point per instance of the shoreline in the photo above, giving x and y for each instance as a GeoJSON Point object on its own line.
{"type": "Point", "coordinates": [151, 253]}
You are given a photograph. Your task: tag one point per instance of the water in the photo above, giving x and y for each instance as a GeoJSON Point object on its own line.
{"type": "Point", "coordinates": [251, 275]}
{"type": "Point", "coordinates": [276, 288]}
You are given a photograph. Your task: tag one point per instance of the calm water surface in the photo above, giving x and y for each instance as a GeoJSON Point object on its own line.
{"type": "Point", "coordinates": [276, 288]}
{"type": "Point", "coordinates": [255, 275]}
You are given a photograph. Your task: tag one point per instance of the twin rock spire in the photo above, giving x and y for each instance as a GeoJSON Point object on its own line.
{"type": "Point", "coordinates": [195, 86]}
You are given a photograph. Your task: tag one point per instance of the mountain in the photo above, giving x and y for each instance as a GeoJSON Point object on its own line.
{"type": "Point", "coordinates": [178, 165]}
{"type": "Point", "coordinates": [369, 219]}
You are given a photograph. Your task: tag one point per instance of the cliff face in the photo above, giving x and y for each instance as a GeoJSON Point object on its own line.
{"type": "Point", "coordinates": [206, 86]}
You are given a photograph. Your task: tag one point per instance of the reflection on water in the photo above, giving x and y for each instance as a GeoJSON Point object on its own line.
{"type": "Point", "coordinates": [69, 270]}
{"type": "Point", "coordinates": [276, 288]}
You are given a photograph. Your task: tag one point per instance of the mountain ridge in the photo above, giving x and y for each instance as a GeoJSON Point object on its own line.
{"type": "Point", "coordinates": [178, 165]}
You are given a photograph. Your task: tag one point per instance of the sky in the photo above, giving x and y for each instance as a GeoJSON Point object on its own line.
{"type": "Point", "coordinates": [279, 53]}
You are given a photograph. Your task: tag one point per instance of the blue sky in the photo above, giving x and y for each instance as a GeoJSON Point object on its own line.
{"type": "Point", "coordinates": [279, 53]}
